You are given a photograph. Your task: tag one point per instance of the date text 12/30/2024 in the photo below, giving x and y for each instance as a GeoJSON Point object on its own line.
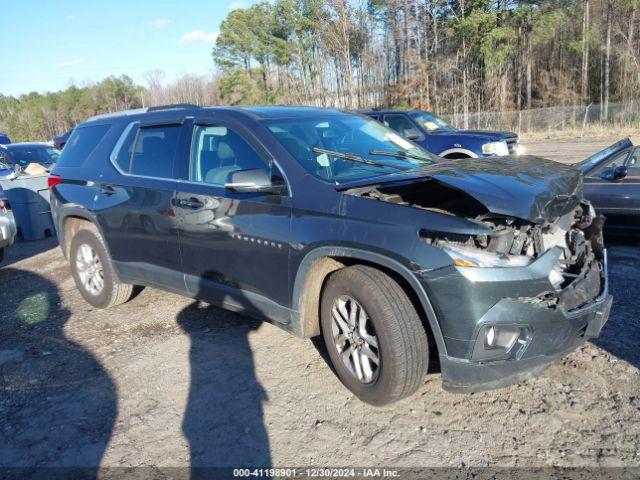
{"type": "Point", "coordinates": [316, 472]}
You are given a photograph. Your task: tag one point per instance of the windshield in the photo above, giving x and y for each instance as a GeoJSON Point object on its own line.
{"type": "Point", "coordinates": [41, 154]}
{"type": "Point", "coordinates": [431, 122]}
{"type": "Point", "coordinates": [347, 147]}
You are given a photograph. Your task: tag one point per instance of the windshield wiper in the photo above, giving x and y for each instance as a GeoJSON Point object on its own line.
{"type": "Point", "coordinates": [352, 157]}
{"type": "Point", "coordinates": [398, 154]}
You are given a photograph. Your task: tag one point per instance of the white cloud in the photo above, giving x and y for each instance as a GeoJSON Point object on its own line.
{"type": "Point", "coordinates": [160, 22]}
{"type": "Point", "coordinates": [71, 17]}
{"type": "Point", "coordinates": [71, 63]}
{"type": "Point", "coordinates": [237, 5]}
{"type": "Point", "coordinates": [199, 36]}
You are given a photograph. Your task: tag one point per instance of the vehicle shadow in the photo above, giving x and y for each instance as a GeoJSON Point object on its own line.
{"type": "Point", "coordinates": [223, 422]}
{"type": "Point", "coordinates": [58, 405]}
{"type": "Point", "coordinates": [27, 249]}
{"type": "Point", "coordinates": [621, 335]}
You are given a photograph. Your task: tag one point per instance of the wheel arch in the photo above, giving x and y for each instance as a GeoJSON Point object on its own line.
{"type": "Point", "coordinates": [70, 222]}
{"type": "Point", "coordinates": [317, 266]}
{"type": "Point", "coordinates": [458, 151]}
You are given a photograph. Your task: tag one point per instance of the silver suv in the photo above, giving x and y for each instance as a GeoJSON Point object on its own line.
{"type": "Point", "coordinates": [7, 226]}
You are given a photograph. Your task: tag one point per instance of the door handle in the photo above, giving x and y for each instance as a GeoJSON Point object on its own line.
{"type": "Point", "coordinates": [107, 190]}
{"type": "Point", "coordinates": [191, 203]}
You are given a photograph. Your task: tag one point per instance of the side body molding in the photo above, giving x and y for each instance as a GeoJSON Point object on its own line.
{"type": "Point", "coordinates": [299, 324]}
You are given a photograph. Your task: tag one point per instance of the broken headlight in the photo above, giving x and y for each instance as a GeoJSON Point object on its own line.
{"type": "Point", "coordinates": [468, 257]}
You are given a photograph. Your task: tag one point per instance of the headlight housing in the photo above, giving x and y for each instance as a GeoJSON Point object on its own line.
{"type": "Point", "coordinates": [467, 257]}
{"type": "Point", "coordinates": [495, 148]}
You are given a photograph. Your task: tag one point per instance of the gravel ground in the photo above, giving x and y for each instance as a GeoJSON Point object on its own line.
{"type": "Point", "coordinates": [165, 381]}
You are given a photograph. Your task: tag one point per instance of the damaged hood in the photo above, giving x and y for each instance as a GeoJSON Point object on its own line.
{"type": "Point", "coordinates": [527, 187]}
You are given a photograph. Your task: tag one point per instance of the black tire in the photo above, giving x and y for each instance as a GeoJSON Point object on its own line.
{"type": "Point", "coordinates": [403, 348]}
{"type": "Point", "coordinates": [112, 293]}
{"type": "Point", "coordinates": [456, 156]}
{"type": "Point", "coordinates": [1, 254]}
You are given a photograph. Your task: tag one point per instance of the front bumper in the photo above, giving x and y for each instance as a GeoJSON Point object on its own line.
{"type": "Point", "coordinates": [7, 230]}
{"type": "Point", "coordinates": [483, 298]}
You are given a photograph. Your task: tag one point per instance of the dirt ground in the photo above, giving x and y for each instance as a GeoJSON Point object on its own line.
{"type": "Point", "coordinates": [164, 381]}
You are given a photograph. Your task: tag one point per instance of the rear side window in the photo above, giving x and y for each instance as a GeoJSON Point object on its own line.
{"type": "Point", "coordinates": [81, 144]}
{"type": "Point", "coordinates": [152, 153]}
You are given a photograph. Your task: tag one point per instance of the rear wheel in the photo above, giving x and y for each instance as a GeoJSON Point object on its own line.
{"type": "Point", "coordinates": [373, 334]}
{"type": "Point", "coordinates": [93, 273]}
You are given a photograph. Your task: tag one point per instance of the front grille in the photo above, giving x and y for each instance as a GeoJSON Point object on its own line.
{"type": "Point", "coordinates": [512, 144]}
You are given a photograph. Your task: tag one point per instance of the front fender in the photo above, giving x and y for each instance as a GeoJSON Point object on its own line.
{"type": "Point", "coordinates": [305, 327]}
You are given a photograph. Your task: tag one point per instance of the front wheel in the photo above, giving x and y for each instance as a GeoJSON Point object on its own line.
{"type": "Point", "coordinates": [373, 334]}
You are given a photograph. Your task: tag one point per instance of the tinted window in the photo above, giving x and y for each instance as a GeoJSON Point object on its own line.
{"type": "Point", "coordinates": [123, 149]}
{"type": "Point", "coordinates": [154, 151]}
{"type": "Point", "coordinates": [218, 151]}
{"type": "Point", "coordinates": [399, 123]}
{"type": "Point", "coordinates": [81, 143]}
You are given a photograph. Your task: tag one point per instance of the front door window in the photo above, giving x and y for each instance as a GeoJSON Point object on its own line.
{"type": "Point", "coordinates": [217, 152]}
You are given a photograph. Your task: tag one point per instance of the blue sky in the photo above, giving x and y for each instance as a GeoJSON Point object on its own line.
{"type": "Point", "coordinates": [49, 44]}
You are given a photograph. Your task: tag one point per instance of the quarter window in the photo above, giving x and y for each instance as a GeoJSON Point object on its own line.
{"type": "Point", "coordinates": [81, 144]}
{"type": "Point", "coordinates": [217, 151]}
{"type": "Point", "coordinates": [154, 151]}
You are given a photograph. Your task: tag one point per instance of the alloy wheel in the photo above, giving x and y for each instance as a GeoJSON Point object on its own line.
{"type": "Point", "coordinates": [89, 269]}
{"type": "Point", "coordinates": [355, 339]}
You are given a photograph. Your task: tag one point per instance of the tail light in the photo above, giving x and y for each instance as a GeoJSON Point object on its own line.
{"type": "Point", "coordinates": [2, 205]}
{"type": "Point", "coordinates": [54, 180]}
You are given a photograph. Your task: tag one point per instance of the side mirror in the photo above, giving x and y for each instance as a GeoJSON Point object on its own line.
{"type": "Point", "coordinates": [253, 181]}
{"type": "Point", "coordinates": [412, 134]}
{"type": "Point", "coordinates": [620, 172]}
{"type": "Point", "coordinates": [614, 174]}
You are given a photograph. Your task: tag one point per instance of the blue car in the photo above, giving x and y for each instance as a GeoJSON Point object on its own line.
{"type": "Point", "coordinates": [437, 136]}
{"type": "Point", "coordinates": [22, 154]}
{"type": "Point", "coordinates": [4, 140]}
{"type": "Point", "coordinates": [60, 141]}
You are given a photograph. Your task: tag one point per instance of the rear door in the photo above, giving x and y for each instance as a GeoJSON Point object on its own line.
{"type": "Point", "coordinates": [235, 246]}
{"type": "Point", "coordinates": [134, 205]}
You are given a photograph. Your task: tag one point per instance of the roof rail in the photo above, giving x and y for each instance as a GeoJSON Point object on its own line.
{"type": "Point", "coordinates": [174, 106]}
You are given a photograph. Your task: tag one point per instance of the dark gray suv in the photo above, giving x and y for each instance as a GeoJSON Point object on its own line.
{"type": "Point", "coordinates": [328, 223]}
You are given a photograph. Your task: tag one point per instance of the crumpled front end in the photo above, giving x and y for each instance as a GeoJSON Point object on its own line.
{"type": "Point", "coordinates": [519, 298]}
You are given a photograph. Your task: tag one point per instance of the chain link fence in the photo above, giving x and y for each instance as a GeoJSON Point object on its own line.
{"type": "Point", "coordinates": [577, 118]}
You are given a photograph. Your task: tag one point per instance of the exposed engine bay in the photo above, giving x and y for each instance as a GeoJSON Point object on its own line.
{"type": "Point", "coordinates": [513, 242]}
